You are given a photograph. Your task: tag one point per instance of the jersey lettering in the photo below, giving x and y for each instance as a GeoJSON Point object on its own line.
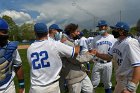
{"type": "Point", "coordinates": [119, 62]}
{"type": "Point", "coordinates": [39, 62]}
{"type": "Point", "coordinates": [117, 51]}
{"type": "Point", "coordinates": [104, 42]}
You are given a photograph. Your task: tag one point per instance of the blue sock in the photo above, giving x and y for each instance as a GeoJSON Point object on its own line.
{"type": "Point", "coordinates": [109, 90]}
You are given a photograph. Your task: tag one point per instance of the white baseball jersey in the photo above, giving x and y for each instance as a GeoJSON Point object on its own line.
{"type": "Point", "coordinates": [83, 43]}
{"type": "Point", "coordinates": [103, 43]}
{"type": "Point", "coordinates": [44, 59]}
{"type": "Point", "coordinates": [89, 40]}
{"type": "Point", "coordinates": [139, 39]}
{"type": "Point", "coordinates": [126, 53]}
{"type": "Point", "coordinates": [15, 63]}
{"type": "Point", "coordinates": [51, 39]}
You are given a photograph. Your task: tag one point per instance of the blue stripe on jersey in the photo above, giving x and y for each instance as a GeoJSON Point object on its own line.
{"type": "Point", "coordinates": [136, 64]}
{"type": "Point", "coordinates": [72, 53]}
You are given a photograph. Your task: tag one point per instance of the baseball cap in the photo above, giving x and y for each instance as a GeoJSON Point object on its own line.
{"type": "Point", "coordinates": [40, 28]}
{"type": "Point", "coordinates": [102, 23]}
{"type": "Point", "coordinates": [3, 24]}
{"type": "Point", "coordinates": [55, 26]}
{"type": "Point", "coordinates": [121, 25]}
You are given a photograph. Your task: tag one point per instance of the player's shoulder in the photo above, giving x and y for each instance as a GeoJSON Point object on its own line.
{"type": "Point", "coordinates": [111, 36]}
{"type": "Point", "coordinates": [90, 38]}
{"type": "Point", "coordinates": [39, 43]}
{"type": "Point", "coordinates": [83, 38]}
{"type": "Point", "coordinates": [131, 41]}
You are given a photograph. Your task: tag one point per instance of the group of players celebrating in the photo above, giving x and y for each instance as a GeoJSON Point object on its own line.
{"type": "Point", "coordinates": [58, 58]}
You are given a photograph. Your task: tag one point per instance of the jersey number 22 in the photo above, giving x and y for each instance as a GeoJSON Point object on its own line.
{"type": "Point", "coordinates": [39, 60]}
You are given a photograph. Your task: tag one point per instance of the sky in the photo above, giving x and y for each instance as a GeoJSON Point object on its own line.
{"type": "Point", "coordinates": [85, 13]}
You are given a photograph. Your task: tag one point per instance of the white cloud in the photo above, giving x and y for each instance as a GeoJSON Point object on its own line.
{"type": "Point", "coordinates": [78, 11]}
{"type": "Point", "coordinates": [83, 12]}
{"type": "Point", "coordinates": [18, 17]}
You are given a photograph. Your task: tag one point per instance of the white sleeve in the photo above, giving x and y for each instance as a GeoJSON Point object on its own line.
{"type": "Point", "coordinates": [16, 59]}
{"type": "Point", "coordinates": [65, 50]}
{"type": "Point", "coordinates": [83, 43]}
{"type": "Point", "coordinates": [91, 45]}
{"type": "Point", "coordinates": [134, 53]}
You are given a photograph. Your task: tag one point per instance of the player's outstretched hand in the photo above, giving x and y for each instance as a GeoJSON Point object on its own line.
{"type": "Point", "coordinates": [126, 91]}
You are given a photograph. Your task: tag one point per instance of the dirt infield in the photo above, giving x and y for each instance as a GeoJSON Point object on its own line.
{"type": "Point", "coordinates": [23, 46]}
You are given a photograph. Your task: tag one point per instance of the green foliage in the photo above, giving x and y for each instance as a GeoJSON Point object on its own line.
{"type": "Point", "coordinates": [87, 33]}
{"type": "Point", "coordinates": [13, 28]}
{"type": "Point", "coordinates": [26, 32]}
{"type": "Point", "coordinates": [19, 33]}
{"type": "Point", "coordinates": [133, 31]}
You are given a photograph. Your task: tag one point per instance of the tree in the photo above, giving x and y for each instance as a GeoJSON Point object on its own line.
{"type": "Point", "coordinates": [86, 32]}
{"type": "Point", "coordinates": [26, 32]}
{"type": "Point", "coordinates": [133, 31]}
{"type": "Point", "coordinates": [13, 28]}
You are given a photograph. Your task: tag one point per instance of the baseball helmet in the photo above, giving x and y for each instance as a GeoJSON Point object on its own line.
{"type": "Point", "coordinates": [3, 24]}
{"type": "Point", "coordinates": [102, 23]}
{"type": "Point", "coordinates": [40, 28]}
{"type": "Point", "coordinates": [55, 26]}
{"type": "Point", "coordinates": [121, 25]}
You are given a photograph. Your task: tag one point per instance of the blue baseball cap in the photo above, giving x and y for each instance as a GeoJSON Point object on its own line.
{"type": "Point", "coordinates": [102, 23]}
{"type": "Point", "coordinates": [121, 25]}
{"type": "Point", "coordinates": [3, 24]}
{"type": "Point", "coordinates": [40, 28]}
{"type": "Point", "coordinates": [55, 26]}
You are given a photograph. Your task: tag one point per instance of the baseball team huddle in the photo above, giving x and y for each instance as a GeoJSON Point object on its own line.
{"type": "Point", "coordinates": [61, 58]}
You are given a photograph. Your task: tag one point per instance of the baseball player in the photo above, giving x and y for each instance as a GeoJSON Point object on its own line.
{"type": "Point", "coordinates": [102, 69]}
{"type": "Point", "coordinates": [44, 58]}
{"type": "Point", "coordinates": [75, 74]}
{"type": "Point", "coordinates": [83, 42]}
{"type": "Point", "coordinates": [55, 32]}
{"type": "Point", "coordinates": [125, 53]}
{"type": "Point", "coordinates": [10, 62]}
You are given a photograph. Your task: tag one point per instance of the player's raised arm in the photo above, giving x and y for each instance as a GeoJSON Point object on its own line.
{"type": "Point", "coordinates": [104, 56]}
{"type": "Point", "coordinates": [100, 55]}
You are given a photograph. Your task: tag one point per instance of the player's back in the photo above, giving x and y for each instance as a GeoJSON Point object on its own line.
{"type": "Point", "coordinates": [45, 62]}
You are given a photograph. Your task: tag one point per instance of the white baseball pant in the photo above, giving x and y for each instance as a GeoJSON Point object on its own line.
{"type": "Point", "coordinates": [53, 88]}
{"type": "Point", "coordinates": [102, 71]}
{"type": "Point", "coordinates": [9, 89]}
{"type": "Point", "coordinates": [85, 86]}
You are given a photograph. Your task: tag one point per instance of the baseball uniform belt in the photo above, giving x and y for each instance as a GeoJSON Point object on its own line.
{"type": "Point", "coordinates": [52, 82]}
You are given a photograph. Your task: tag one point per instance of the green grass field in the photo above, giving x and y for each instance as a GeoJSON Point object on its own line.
{"type": "Point", "coordinates": [26, 69]}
